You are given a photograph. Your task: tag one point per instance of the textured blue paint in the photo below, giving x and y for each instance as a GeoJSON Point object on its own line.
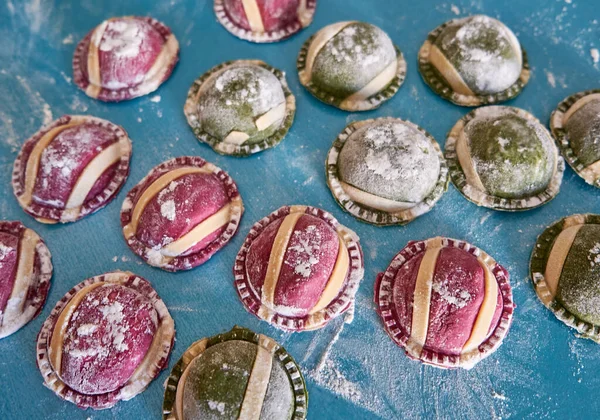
{"type": "Point", "coordinates": [542, 369]}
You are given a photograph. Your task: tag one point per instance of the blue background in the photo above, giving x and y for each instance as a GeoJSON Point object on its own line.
{"type": "Point", "coordinates": [541, 370]}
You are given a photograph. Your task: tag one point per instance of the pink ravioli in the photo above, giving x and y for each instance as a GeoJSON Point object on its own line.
{"type": "Point", "coordinates": [302, 268]}
{"type": "Point", "coordinates": [308, 262]}
{"type": "Point", "coordinates": [458, 289]}
{"type": "Point", "coordinates": [69, 151]}
{"type": "Point", "coordinates": [106, 339]}
{"type": "Point", "coordinates": [133, 55]}
{"type": "Point", "coordinates": [279, 19]}
{"type": "Point", "coordinates": [177, 205]}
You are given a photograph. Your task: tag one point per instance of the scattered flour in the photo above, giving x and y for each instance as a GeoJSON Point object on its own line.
{"type": "Point", "coordinates": [9, 135]}
{"type": "Point", "coordinates": [68, 40]}
{"type": "Point", "coordinates": [551, 78]}
{"type": "Point", "coordinates": [305, 255]}
{"type": "Point", "coordinates": [36, 101]}
{"type": "Point", "coordinates": [595, 55]}
{"type": "Point", "coordinates": [459, 298]}
{"type": "Point", "coordinates": [36, 14]}
{"type": "Point", "coordinates": [77, 105]}
{"type": "Point", "coordinates": [455, 9]}
{"type": "Point", "coordinates": [168, 210]}
{"type": "Point", "coordinates": [499, 396]}
{"type": "Point", "coordinates": [594, 255]}
{"type": "Point", "coordinates": [64, 76]}
{"type": "Point", "coordinates": [155, 99]}
{"type": "Point", "coordinates": [484, 218]}
{"type": "Point", "coordinates": [330, 377]}
{"type": "Point", "coordinates": [4, 250]}
{"type": "Point", "coordinates": [123, 37]}
{"type": "Point", "coordinates": [47, 114]}
{"type": "Point", "coordinates": [217, 406]}
{"type": "Point", "coordinates": [86, 329]}
{"type": "Point", "coordinates": [114, 316]}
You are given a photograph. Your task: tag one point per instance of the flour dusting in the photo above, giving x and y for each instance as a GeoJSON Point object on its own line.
{"type": "Point", "coordinates": [47, 114]}
{"type": "Point", "coordinates": [489, 69]}
{"type": "Point", "coordinates": [594, 255]}
{"type": "Point", "coordinates": [550, 78]}
{"type": "Point", "coordinates": [168, 210]}
{"type": "Point", "coordinates": [304, 256]}
{"type": "Point", "coordinates": [122, 37]}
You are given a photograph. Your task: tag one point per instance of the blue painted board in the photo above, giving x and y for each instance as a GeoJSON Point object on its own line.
{"type": "Point", "coordinates": [541, 370]}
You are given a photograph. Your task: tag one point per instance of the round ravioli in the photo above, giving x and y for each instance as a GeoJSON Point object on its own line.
{"type": "Point", "coordinates": [298, 268]}
{"type": "Point", "coordinates": [565, 268]}
{"type": "Point", "coordinates": [124, 57]}
{"type": "Point", "coordinates": [105, 341]}
{"type": "Point", "coordinates": [503, 158]}
{"type": "Point", "coordinates": [386, 171]}
{"type": "Point", "coordinates": [71, 168]}
{"type": "Point", "coordinates": [445, 301]}
{"type": "Point", "coordinates": [351, 65]}
{"type": "Point", "coordinates": [235, 375]}
{"type": "Point", "coordinates": [575, 125]}
{"type": "Point", "coordinates": [181, 213]}
{"type": "Point", "coordinates": [474, 61]}
{"type": "Point", "coordinates": [264, 20]}
{"type": "Point", "coordinates": [240, 107]}
{"type": "Point", "coordinates": [25, 273]}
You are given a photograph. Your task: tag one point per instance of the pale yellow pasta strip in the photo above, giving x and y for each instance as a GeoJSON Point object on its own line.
{"type": "Point", "coordinates": [422, 293]}
{"type": "Point", "coordinates": [199, 232]}
{"type": "Point", "coordinates": [374, 86]}
{"type": "Point", "coordinates": [90, 175]}
{"type": "Point", "coordinates": [93, 61]}
{"type": "Point", "coordinates": [278, 250]}
{"type": "Point", "coordinates": [259, 380]}
{"type": "Point", "coordinates": [463, 153]}
{"type": "Point", "coordinates": [557, 257]}
{"type": "Point", "coordinates": [336, 280]}
{"type": "Point", "coordinates": [486, 310]}
{"type": "Point", "coordinates": [253, 15]}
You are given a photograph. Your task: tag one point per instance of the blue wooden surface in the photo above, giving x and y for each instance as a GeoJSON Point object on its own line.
{"type": "Point", "coordinates": [541, 370]}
